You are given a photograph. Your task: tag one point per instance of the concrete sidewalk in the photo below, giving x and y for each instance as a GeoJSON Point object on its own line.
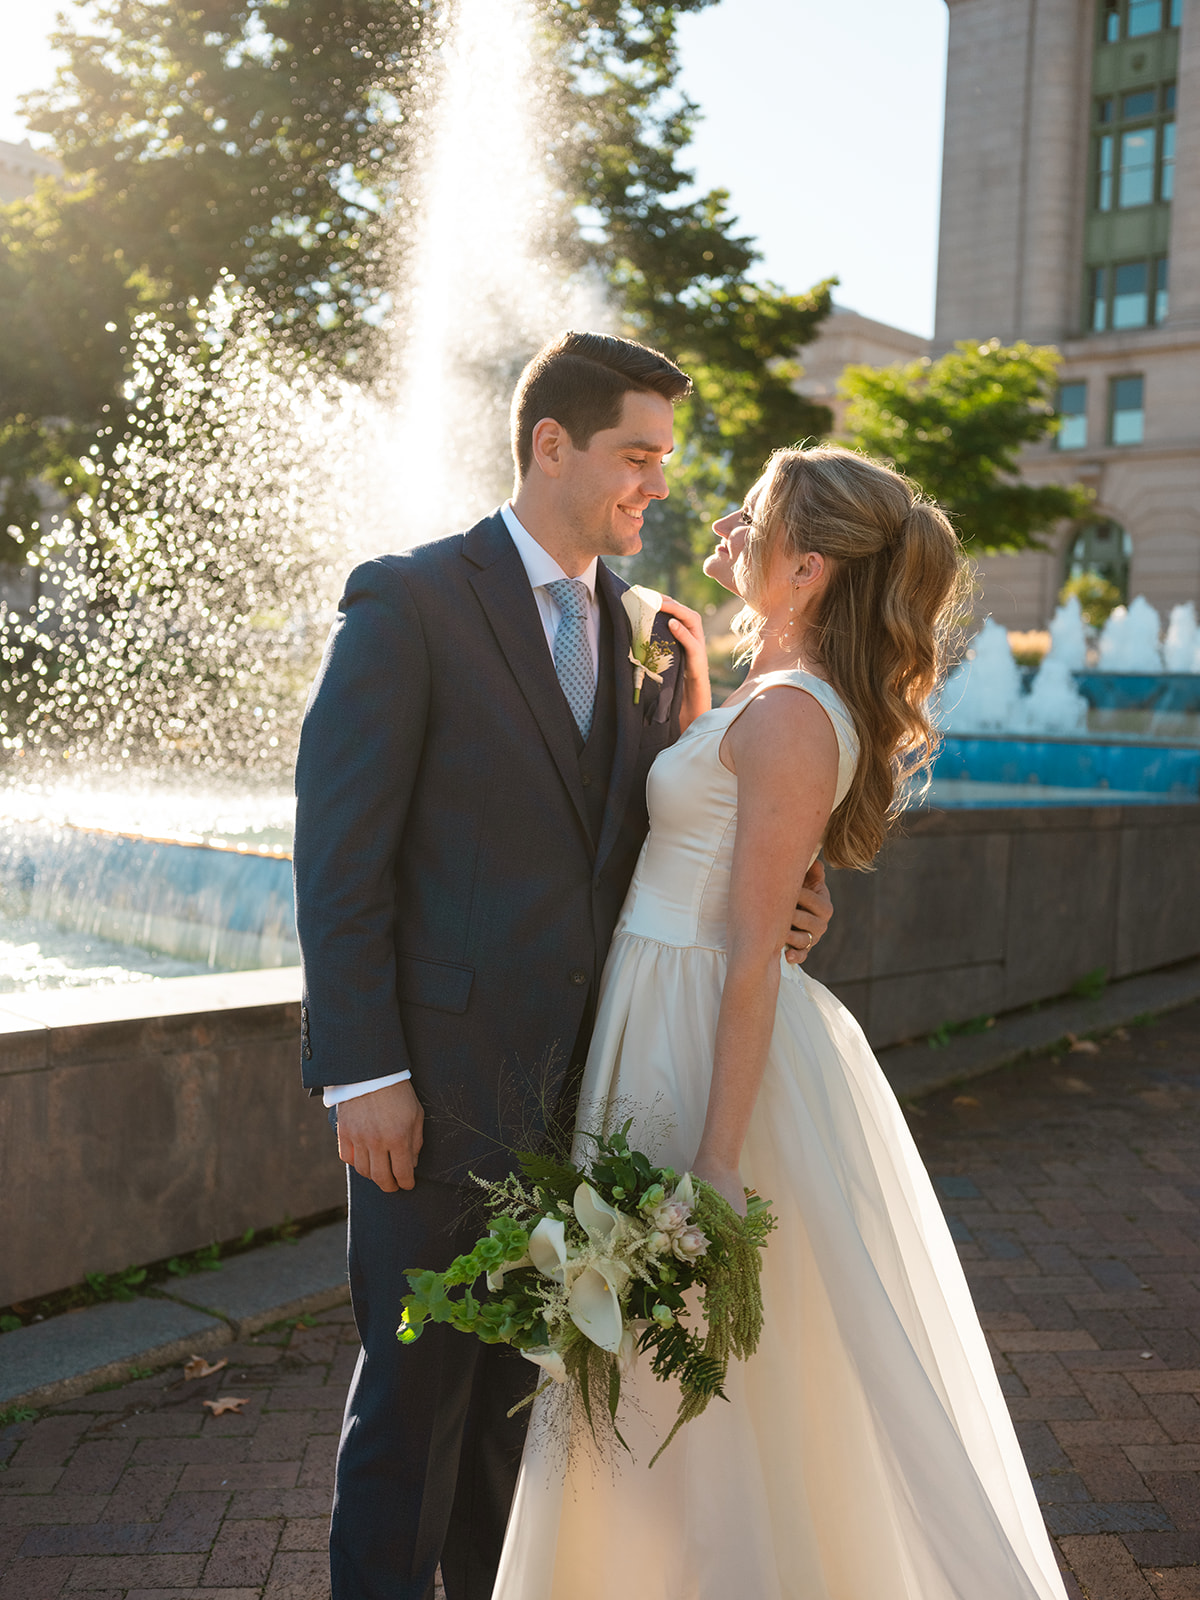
{"type": "Point", "coordinates": [70, 1355]}
{"type": "Point", "coordinates": [1073, 1189]}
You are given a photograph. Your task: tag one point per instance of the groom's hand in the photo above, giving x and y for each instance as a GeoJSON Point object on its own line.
{"type": "Point", "coordinates": [380, 1135]}
{"type": "Point", "coordinates": [813, 911]}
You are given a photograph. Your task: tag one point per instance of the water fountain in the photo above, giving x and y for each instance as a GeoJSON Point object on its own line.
{"type": "Point", "coordinates": [1129, 639]}
{"type": "Point", "coordinates": [1181, 647]}
{"type": "Point", "coordinates": [179, 623]}
{"type": "Point", "coordinates": [1122, 730]}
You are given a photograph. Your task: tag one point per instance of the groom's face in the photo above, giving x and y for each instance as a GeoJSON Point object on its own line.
{"type": "Point", "coordinates": [606, 488]}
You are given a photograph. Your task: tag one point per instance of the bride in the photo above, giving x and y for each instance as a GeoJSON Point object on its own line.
{"type": "Point", "coordinates": [866, 1452]}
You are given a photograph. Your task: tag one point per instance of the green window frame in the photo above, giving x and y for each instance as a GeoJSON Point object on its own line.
{"type": "Point", "coordinates": [1166, 172]}
{"type": "Point", "coordinates": [1127, 409]}
{"type": "Point", "coordinates": [1072, 412]}
{"type": "Point", "coordinates": [1136, 19]}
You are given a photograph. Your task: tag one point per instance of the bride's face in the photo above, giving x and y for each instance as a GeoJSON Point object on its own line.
{"type": "Point", "coordinates": [728, 563]}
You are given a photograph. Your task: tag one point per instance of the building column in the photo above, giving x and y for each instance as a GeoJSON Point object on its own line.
{"type": "Point", "coordinates": [1185, 212]}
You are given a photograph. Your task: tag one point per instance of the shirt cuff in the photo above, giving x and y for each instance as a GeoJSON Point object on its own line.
{"type": "Point", "coordinates": [334, 1093]}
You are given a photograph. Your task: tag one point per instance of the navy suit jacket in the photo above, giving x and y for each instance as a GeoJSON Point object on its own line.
{"type": "Point", "coordinates": [453, 910]}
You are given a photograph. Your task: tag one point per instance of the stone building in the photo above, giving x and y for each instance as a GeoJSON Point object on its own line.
{"type": "Point", "coordinates": [1071, 216]}
{"type": "Point", "coordinates": [847, 338]}
{"type": "Point", "coordinates": [20, 168]}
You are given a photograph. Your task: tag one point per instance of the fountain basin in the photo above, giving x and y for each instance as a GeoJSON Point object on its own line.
{"type": "Point", "coordinates": [1110, 770]}
{"type": "Point", "coordinates": [1141, 691]}
{"type": "Point", "coordinates": [227, 906]}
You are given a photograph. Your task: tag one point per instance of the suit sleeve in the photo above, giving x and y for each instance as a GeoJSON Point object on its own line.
{"type": "Point", "coordinates": [360, 750]}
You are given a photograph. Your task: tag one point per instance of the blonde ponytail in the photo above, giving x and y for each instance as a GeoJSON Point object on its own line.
{"type": "Point", "coordinates": [880, 632]}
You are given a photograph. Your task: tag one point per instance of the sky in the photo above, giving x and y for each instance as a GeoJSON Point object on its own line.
{"type": "Point", "coordinates": [823, 119]}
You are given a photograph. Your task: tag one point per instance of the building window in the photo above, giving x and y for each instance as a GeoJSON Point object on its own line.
{"type": "Point", "coordinates": [1098, 287]}
{"type": "Point", "coordinates": [1176, 13]}
{"type": "Point", "coordinates": [1145, 16]}
{"type": "Point", "coordinates": [1166, 182]}
{"type": "Point", "coordinates": [1072, 411]}
{"type": "Point", "coordinates": [1112, 21]}
{"type": "Point", "coordinates": [1131, 295]}
{"type": "Point", "coordinates": [1135, 183]}
{"type": "Point", "coordinates": [1104, 548]}
{"type": "Point", "coordinates": [1169, 97]}
{"type": "Point", "coordinates": [1104, 174]}
{"type": "Point", "coordinates": [1161, 296]}
{"type": "Point", "coordinates": [1142, 104]}
{"type": "Point", "coordinates": [1126, 411]}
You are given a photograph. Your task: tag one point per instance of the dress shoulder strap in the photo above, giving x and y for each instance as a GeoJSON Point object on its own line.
{"type": "Point", "coordinates": [834, 708]}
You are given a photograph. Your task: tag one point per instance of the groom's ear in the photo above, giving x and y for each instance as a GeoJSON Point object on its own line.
{"type": "Point", "coordinates": [550, 443]}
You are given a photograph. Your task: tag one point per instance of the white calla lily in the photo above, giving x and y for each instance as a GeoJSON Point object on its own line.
{"type": "Point", "coordinates": [595, 1310]}
{"type": "Point", "coordinates": [650, 657]}
{"type": "Point", "coordinates": [596, 1217]}
{"type": "Point", "coordinates": [495, 1278]}
{"type": "Point", "coordinates": [626, 1351]}
{"type": "Point", "coordinates": [642, 605]}
{"type": "Point", "coordinates": [548, 1249]}
{"type": "Point", "coordinates": [684, 1191]}
{"type": "Point", "coordinates": [549, 1360]}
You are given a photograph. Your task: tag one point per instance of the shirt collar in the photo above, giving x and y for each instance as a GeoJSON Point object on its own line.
{"type": "Point", "coordinates": [540, 566]}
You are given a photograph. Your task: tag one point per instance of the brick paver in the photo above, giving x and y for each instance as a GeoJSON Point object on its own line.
{"type": "Point", "coordinates": [1073, 1189]}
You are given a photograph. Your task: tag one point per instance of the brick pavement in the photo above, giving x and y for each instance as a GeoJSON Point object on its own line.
{"type": "Point", "coordinates": [1073, 1187]}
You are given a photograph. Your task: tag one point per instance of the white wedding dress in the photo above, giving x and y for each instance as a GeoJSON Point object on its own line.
{"type": "Point", "coordinates": [866, 1452]}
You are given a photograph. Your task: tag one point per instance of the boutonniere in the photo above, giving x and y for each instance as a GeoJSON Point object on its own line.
{"type": "Point", "coordinates": [650, 657]}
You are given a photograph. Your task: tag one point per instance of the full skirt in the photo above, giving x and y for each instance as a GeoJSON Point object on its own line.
{"type": "Point", "coordinates": [865, 1452]}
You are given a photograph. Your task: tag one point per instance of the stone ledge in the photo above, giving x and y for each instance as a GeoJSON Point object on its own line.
{"type": "Point", "coordinates": [37, 1028]}
{"type": "Point", "coordinates": [68, 1356]}
{"type": "Point", "coordinates": [916, 1069]}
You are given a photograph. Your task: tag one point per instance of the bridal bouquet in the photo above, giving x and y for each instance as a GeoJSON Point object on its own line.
{"type": "Point", "coordinates": [583, 1265]}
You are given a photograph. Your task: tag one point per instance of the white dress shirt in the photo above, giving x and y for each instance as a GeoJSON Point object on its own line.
{"type": "Point", "coordinates": [541, 569]}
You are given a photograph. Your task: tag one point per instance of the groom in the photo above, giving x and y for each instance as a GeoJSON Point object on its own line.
{"type": "Point", "coordinates": [471, 803]}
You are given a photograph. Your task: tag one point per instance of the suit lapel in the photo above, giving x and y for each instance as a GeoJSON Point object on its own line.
{"type": "Point", "coordinates": [502, 587]}
{"type": "Point", "coordinates": [629, 720]}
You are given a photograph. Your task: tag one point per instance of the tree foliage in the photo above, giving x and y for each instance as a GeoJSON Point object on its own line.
{"type": "Point", "coordinates": [268, 139]}
{"type": "Point", "coordinates": [957, 425]}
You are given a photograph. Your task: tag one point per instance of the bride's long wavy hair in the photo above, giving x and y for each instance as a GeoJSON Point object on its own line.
{"type": "Point", "coordinates": [882, 625]}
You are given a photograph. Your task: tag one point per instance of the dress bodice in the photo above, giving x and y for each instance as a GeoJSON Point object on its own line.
{"type": "Point", "coordinates": [680, 890]}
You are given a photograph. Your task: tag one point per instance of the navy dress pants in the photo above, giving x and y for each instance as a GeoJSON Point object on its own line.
{"type": "Point", "coordinates": [428, 1458]}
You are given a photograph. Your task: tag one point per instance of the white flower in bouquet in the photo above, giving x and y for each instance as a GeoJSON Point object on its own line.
{"type": "Point", "coordinates": [671, 1216]}
{"type": "Point", "coordinates": [689, 1245]}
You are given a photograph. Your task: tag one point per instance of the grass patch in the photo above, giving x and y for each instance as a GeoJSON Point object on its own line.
{"type": "Point", "coordinates": [941, 1036]}
{"type": "Point", "coordinates": [1091, 986]}
{"type": "Point", "coordinates": [133, 1281]}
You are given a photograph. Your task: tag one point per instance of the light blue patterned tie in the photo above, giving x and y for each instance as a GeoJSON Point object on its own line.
{"type": "Point", "coordinates": [573, 649]}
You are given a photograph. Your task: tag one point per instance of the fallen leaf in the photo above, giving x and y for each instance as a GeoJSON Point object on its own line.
{"type": "Point", "coordinates": [198, 1367]}
{"type": "Point", "coordinates": [1084, 1047]}
{"type": "Point", "coordinates": [1120, 1033]}
{"type": "Point", "coordinates": [964, 1100]}
{"type": "Point", "coordinates": [227, 1402]}
{"type": "Point", "coordinates": [1075, 1085]}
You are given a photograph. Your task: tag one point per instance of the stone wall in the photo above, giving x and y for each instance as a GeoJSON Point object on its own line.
{"type": "Point", "coordinates": [971, 913]}
{"type": "Point", "coordinates": [128, 1137]}
{"type": "Point", "coordinates": [142, 1122]}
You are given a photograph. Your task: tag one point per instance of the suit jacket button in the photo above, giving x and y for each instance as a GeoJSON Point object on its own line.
{"type": "Point", "coordinates": [307, 1053]}
{"type": "Point", "coordinates": [578, 975]}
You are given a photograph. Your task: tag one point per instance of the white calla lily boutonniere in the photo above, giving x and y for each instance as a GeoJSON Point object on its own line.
{"type": "Point", "coordinates": [650, 658]}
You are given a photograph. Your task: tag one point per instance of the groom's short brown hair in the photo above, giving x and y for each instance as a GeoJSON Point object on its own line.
{"type": "Point", "coordinates": [581, 380]}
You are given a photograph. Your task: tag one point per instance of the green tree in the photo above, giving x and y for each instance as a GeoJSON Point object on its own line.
{"type": "Point", "coordinates": [956, 425]}
{"type": "Point", "coordinates": [263, 138]}
{"type": "Point", "coordinates": [1098, 598]}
